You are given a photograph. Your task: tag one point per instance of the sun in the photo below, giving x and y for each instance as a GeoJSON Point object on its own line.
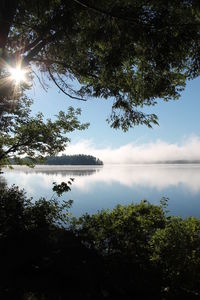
{"type": "Point", "coordinates": [17, 74]}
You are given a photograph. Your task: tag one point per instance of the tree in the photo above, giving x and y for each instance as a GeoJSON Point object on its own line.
{"type": "Point", "coordinates": [77, 159]}
{"type": "Point", "coordinates": [146, 252]}
{"type": "Point", "coordinates": [40, 258]}
{"type": "Point", "coordinates": [21, 134]}
{"type": "Point", "coordinates": [132, 51]}
{"type": "Point", "coordinates": [130, 252]}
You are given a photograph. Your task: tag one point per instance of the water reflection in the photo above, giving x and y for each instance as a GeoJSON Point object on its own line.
{"type": "Point", "coordinates": [152, 176]}
{"type": "Point", "coordinates": [99, 187]}
{"type": "Point", "coordinates": [57, 170]}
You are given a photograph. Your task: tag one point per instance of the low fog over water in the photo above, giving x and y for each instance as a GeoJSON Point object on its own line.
{"type": "Point", "coordinates": [100, 187]}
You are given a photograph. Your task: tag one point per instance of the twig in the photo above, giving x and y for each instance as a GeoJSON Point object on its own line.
{"type": "Point", "coordinates": [40, 81]}
{"type": "Point", "coordinates": [62, 90]}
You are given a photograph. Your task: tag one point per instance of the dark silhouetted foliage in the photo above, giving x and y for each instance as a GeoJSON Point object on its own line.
{"type": "Point", "coordinates": [145, 250]}
{"type": "Point", "coordinates": [133, 52]}
{"type": "Point", "coordinates": [38, 256]}
{"type": "Point", "coordinates": [79, 159]}
{"type": "Point", "coordinates": [131, 252]}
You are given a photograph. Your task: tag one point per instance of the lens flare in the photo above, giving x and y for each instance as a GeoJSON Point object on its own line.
{"type": "Point", "coordinates": [17, 74]}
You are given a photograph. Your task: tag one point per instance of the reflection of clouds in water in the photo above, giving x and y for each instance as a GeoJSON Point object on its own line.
{"type": "Point", "coordinates": [42, 177]}
{"type": "Point", "coordinates": [159, 177]}
{"type": "Point", "coordinates": [24, 180]}
{"type": "Point", "coordinates": [149, 176]}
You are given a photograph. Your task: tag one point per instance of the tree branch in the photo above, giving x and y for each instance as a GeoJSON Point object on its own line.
{"type": "Point", "coordinates": [62, 63]}
{"type": "Point", "coordinates": [85, 4]}
{"type": "Point", "coordinates": [104, 12]}
{"type": "Point", "coordinates": [49, 61]}
{"type": "Point", "coordinates": [10, 150]}
{"type": "Point", "coordinates": [28, 47]}
{"type": "Point", "coordinates": [34, 51]}
{"type": "Point", "coordinates": [62, 90]}
{"type": "Point", "coordinates": [7, 12]}
{"type": "Point", "coordinates": [40, 81]}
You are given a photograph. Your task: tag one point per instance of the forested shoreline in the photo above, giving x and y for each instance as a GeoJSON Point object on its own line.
{"type": "Point", "coordinates": [79, 159]}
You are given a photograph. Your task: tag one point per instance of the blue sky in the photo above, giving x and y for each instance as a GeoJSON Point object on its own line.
{"type": "Point", "coordinates": [178, 119]}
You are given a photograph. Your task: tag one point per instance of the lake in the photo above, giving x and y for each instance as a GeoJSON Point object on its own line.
{"type": "Point", "coordinates": [97, 187]}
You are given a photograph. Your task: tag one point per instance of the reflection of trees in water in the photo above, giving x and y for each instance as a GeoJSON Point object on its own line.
{"type": "Point", "coordinates": [63, 173]}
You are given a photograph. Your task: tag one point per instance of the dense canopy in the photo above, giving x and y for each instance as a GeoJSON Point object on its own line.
{"type": "Point", "coordinates": [133, 52]}
{"type": "Point", "coordinates": [77, 159]}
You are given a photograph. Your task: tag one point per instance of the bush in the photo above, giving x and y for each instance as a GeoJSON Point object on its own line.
{"type": "Point", "coordinates": [145, 252]}
{"type": "Point", "coordinates": [39, 257]}
{"type": "Point", "coordinates": [176, 251]}
{"type": "Point", "coordinates": [130, 252]}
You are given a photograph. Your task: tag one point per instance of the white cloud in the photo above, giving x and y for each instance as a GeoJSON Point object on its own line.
{"type": "Point", "coordinates": [140, 153]}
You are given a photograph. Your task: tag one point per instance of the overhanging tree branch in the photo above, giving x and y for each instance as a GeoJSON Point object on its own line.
{"type": "Point", "coordinates": [87, 5]}
{"type": "Point", "coordinates": [34, 51]}
{"type": "Point", "coordinates": [29, 46]}
{"type": "Point", "coordinates": [58, 62]}
{"type": "Point", "coordinates": [61, 89]}
{"type": "Point", "coordinates": [102, 11]}
{"type": "Point", "coordinates": [40, 81]}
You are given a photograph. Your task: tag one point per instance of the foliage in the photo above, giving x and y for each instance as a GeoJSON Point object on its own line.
{"type": "Point", "coordinates": [130, 252]}
{"type": "Point", "coordinates": [27, 214]}
{"type": "Point", "coordinates": [176, 250]}
{"type": "Point", "coordinates": [79, 159]}
{"type": "Point", "coordinates": [62, 187]}
{"type": "Point", "coordinates": [133, 52]}
{"type": "Point", "coordinates": [22, 134]}
{"type": "Point", "coordinates": [125, 230]}
{"type": "Point", "coordinates": [39, 257]}
{"type": "Point", "coordinates": [143, 248]}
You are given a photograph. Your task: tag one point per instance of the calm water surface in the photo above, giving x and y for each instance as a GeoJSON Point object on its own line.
{"type": "Point", "coordinates": [95, 188]}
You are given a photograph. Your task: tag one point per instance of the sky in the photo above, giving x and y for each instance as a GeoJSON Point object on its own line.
{"type": "Point", "coordinates": [176, 137]}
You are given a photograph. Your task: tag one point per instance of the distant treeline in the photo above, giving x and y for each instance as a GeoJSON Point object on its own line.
{"type": "Point", "coordinates": [180, 161]}
{"type": "Point", "coordinates": [79, 159]}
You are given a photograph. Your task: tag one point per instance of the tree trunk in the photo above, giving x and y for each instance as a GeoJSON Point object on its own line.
{"type": "Point", "coordinates": [7, 12]}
